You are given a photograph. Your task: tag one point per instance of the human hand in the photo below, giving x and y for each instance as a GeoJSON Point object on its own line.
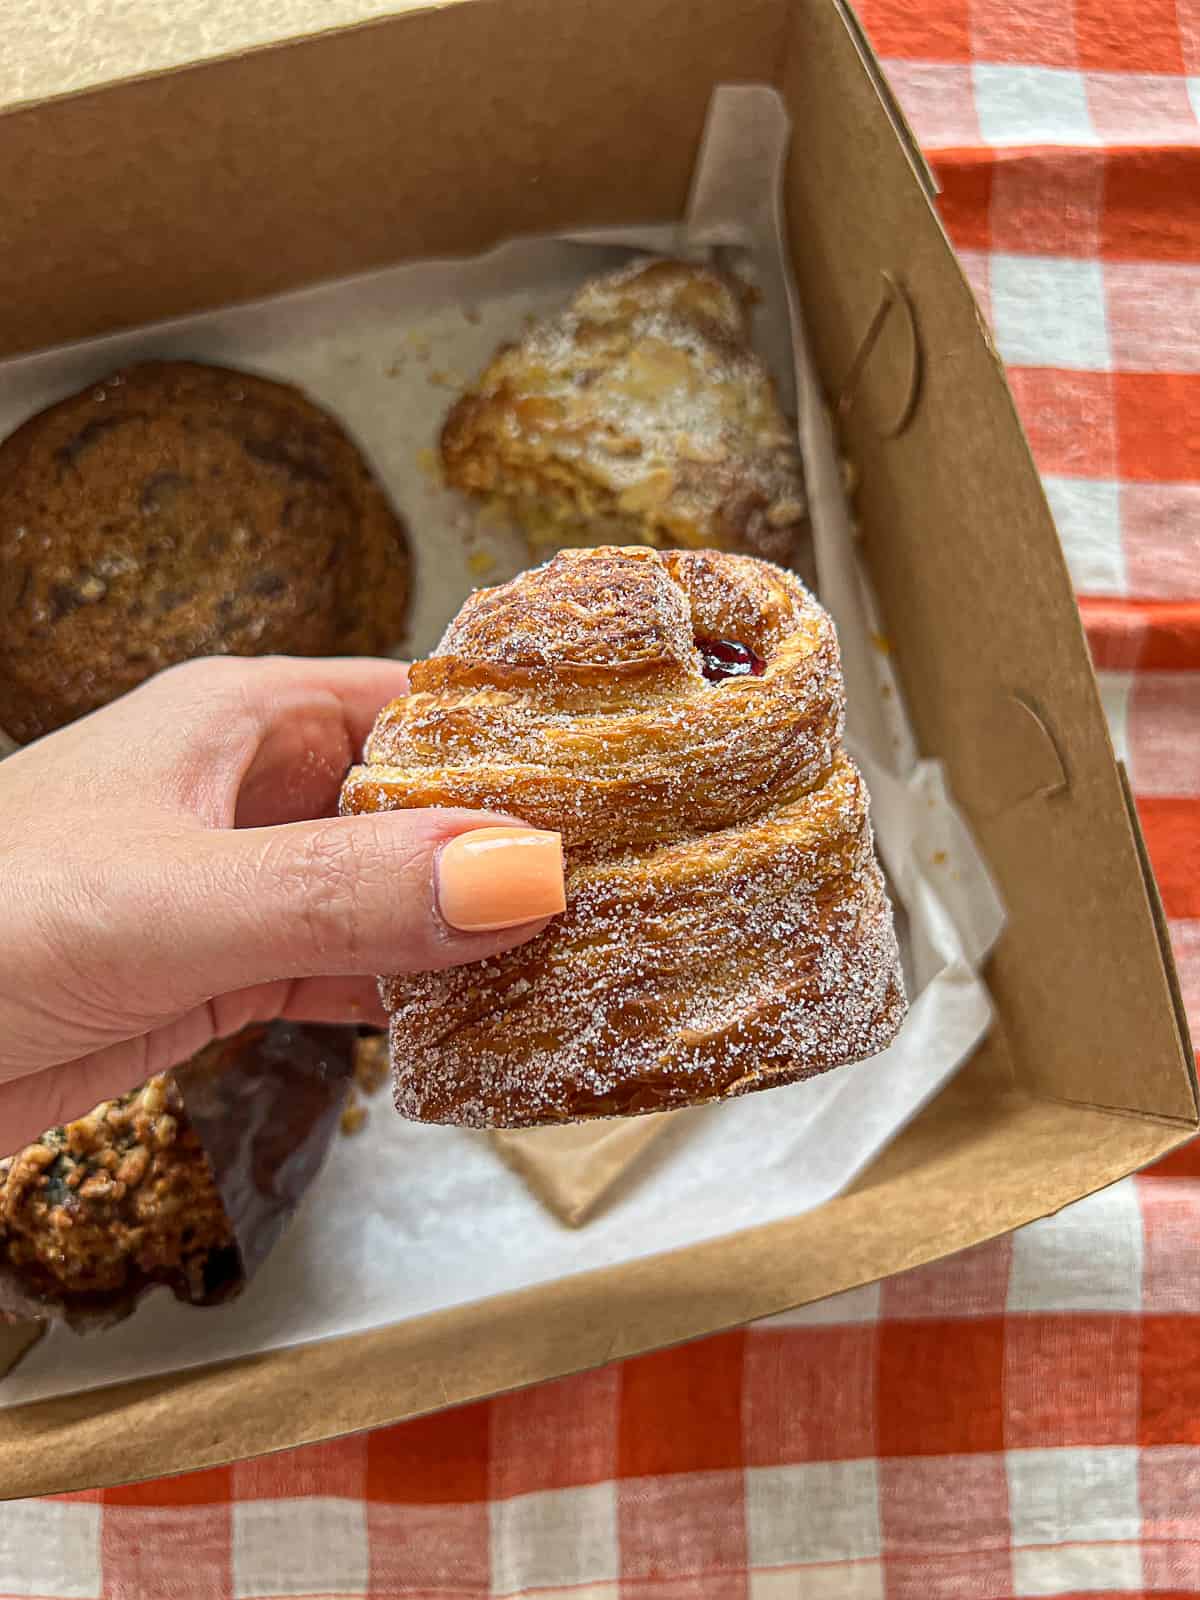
{"type": "Point", "coordinates": [164, 881]}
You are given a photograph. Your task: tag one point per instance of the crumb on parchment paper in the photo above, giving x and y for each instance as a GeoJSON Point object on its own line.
{"type": "Point", "coordinates": [371, 1068]}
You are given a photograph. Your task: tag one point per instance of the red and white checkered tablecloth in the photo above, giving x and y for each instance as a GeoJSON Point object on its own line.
{"type": "Point", "coordinates": [1020, 1420]}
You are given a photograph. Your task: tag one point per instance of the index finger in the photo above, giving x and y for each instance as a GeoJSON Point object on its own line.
{"type": "Point", "coordinates": [185, 740]}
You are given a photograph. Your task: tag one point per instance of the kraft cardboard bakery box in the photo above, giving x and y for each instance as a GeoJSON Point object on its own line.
{"type": "Point", "coordinates": [439, 133]}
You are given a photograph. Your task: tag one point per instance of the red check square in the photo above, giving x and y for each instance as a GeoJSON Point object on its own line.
{"type": "Point", "coordinates": [337, 1467]}
{"type": "Point", "coordinates": [184, 1551]}
{"type": "Point", "coordinates": [1128, 35]}
{"type": "Point", "coordinates": [946, 1530]}
{"type": "Point", "coordinates": [1070, 419]}
{"type": "Point", "coordinates": [684, 1538]}
{"type": "Point", "coordinates": [1171, 1243]}
{"type": "Point", "coordinates": [939, 1387]}
{"type": "Point", "coordinates": [1034, 36]}
{"type": "Point", "coordinates": [439, 1460]}
{"type": "Point", "coordinates": [1172, 830]}
{"type": "Point", "coordinates": [1170, 1380]}
{"type": "Point", "coordinates": [1048, 202]}
{"type": "Point", "coordinates": [556, 1436]}
{"type": "Point", "coordinates": [1070, 1379]}
{"type": "Point", "coordinates": [973, 1283]}
{"type": "Point", "coordinates": [809, 1394]}
{"type": "Point", "coordinates": [420, 1549]}
{"type": "Point", "coordinates": [1152, 206]}
{"type": "Point", "coordinates": [681, 1409]}
{"type": "Point", "coordinates": [935, 33]}
{"type": "Point", "coordinates": [212, 1487]}
{"type": "Point", "coordinates": [966, 199]}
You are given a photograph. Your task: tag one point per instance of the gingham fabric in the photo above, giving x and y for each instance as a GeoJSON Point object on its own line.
{"type": "Point", "coordinates": [1020, 1420]}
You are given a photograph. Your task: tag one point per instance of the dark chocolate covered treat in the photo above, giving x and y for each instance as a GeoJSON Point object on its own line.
{"type": "Point", "coordinates": [177, 510]}
{"type": "Point", "coordinates": [187, 1182]}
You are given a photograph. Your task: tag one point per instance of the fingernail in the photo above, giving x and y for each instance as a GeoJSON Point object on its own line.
{"type": "Point", "coordinates": [495, 878]}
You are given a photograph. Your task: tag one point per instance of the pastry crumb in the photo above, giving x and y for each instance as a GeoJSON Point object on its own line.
{"type": "Point", "coordinates": [371, 1063]}
{"type": "Point", "coordinates": [354, 1116]}
{"type": "Point", "coordinates": [429, 464]}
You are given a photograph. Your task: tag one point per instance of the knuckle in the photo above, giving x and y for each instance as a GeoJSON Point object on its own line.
{"type": "Point", "coordinates": [203, 672]}
{"type": "Point", "coordinates": [336, 869]}
{"type": "Point", "coordinates": [198, 693]}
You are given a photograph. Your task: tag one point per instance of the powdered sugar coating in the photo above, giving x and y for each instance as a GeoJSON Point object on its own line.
{"type": "Point", "coordinates": [639, 411]}
{"type": "Point", "coordinates": [726, 924]}
{"type": "Point", "coordinates": [574, 698]}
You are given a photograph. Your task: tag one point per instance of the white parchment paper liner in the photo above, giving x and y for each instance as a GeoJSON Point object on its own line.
{"type": "Point", "coordinates": [407, 1219]}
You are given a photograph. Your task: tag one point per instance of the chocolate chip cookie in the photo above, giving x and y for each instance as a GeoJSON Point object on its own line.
{"type": "Point", "coordinates": [177, 510]}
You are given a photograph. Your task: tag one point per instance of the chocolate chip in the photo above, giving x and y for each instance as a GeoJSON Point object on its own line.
{"type": "Point", "coordinates": [158, 491]}
{"type": "Point", "coordinates": [267, 583]}
{"type": "Point", "coordinates": [297, 463]}
{"type": "Point", "coordinates": [68, 455]}
{"type": "Point", "coordinates": [63, 600]}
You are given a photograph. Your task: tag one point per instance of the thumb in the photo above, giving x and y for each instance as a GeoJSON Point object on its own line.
{"type": "Point", "coordinates": [399, 891]}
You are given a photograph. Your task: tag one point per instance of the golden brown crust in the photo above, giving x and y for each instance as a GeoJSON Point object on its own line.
{"type": "Point", "coordinates": [726, 924]}
{"type": "Point", "coordinates": [569, 697]}
{"type": "Point", "coordinates": [177, 510]}
{"type": "Point", "coordinates": [639, 412]}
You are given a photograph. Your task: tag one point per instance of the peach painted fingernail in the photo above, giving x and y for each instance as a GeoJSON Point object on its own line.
{"type": "Point", "coordinates": [495, 878]}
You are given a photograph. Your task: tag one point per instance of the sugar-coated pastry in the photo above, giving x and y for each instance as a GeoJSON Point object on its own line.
{"type": "Point", "coordinates": [677, 716]}
{"type": "Point", "coordinates": [638, 413]}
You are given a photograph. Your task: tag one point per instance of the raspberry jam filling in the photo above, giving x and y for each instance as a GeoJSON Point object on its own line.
{"type": "Point", "coordinates": [727, 658]}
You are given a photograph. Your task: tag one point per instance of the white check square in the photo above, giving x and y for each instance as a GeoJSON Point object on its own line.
{"type": "Point", "coordinates": [1185, 946]}
{"type": "Point", "coordinates": [1115, 689]}
{"type": "Point", "coordinates": [1074, 1496]}
{"type": "Point", "coordinates": [1087, 514]}
{"type": "Point", "coordinates": [50, 1547]}
{"type": "Point", "coordinates": [1032, 105]}
{"type": "Point", "coordinates": [855, 1305]}
{"type": "Point", "coordinates": [814, 1512]}
{"type": "Point", "coordinates": [863, 1580]}
{"type": "Point", "coordinates": [1078, 1570]}
{"type": "Point", "coordinates": [554, 1539]}
{"type": "Point", "coordinates": [936, 97]}
{"type": "Point", "coordinates": [1153, 313]}
{"type": "Point", "coordinates": [314, 1546]}
{"type": "Point", "coordinates": [1050, 311]}
{"type": "Point", "coordinates": [1087, 1258]}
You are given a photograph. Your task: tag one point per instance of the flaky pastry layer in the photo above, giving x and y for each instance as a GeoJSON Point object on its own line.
{"type": "Point", "coordinates": [726, 926]}
{"type": "Point", "coordinates": [640, 410]}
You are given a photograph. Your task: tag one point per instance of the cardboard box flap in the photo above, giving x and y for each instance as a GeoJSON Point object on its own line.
{"type": "Point", "coordinates": [977, 599]}
{"type": "Point", "coordinates": [52, 50]}
{"type": "Point", "coordinates": [975, 1164]}
{"type": "Point", "coordinates": [117, 193]}
{"type": "Point", "coordinates": [887, 95]}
